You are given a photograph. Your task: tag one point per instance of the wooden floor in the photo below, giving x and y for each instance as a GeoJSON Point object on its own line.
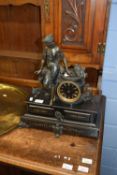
{"type": "Point", "coordinates": [39, 151]}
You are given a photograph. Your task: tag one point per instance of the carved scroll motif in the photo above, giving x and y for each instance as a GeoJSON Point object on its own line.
{"type": "Point", "coordinates": [73, 21]}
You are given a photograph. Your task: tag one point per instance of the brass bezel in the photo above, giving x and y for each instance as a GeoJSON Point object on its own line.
{"type": "Point", "coordinates": [66, 100]}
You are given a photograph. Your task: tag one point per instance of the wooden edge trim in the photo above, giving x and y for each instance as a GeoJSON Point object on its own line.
{"type": "Point", "coordinates": [33, 166]}
{"type": "Point", "coordinates": [20, 81]}
{"type": "Point", "coordinates": [20, 2]}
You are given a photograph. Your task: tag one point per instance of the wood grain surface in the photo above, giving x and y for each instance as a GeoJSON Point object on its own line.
{"type": "Point", "coordinates": [40, 151]}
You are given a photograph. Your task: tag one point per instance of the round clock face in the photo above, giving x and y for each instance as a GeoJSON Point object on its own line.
{"type": "Point", "coordinates": [69, 91]}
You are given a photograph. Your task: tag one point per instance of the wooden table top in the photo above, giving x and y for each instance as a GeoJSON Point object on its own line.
{"type": "Point", "coordinates": [40, 151]}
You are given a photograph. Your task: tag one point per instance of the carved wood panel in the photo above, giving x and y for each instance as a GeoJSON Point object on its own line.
{"type": "Point", "coordinates": [79, 27]}
{"type": "Point", "coordinates": [73, 21]}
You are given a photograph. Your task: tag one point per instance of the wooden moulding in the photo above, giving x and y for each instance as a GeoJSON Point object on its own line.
{"type": "Point", "coordinates": [20, 81]}
{"type": "Point", "coordinates": [20, 2]}
{"type": "Point", "coordinates": [20, 54]}
{"type": "Point", "coordinates": [34, 83]}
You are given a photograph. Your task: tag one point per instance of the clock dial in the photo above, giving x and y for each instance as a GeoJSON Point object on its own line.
{"type": "Point", "coordinates": [69, 91]}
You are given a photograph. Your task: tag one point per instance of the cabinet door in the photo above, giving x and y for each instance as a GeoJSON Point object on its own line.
{"type": "Point", "coordinates": [79, 27]}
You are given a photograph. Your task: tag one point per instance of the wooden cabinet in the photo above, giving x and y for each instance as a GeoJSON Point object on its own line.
{"type": "Point", "coordinates": [79, 28]}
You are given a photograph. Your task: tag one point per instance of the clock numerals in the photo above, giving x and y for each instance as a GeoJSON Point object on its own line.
{"type": "Point", "coordinates": [69, 91]}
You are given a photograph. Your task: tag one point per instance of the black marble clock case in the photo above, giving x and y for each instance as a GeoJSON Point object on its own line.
{"type": "Point", "coordinates": [78, 119]}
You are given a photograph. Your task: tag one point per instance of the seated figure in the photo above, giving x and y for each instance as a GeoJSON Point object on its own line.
{"type": "Point", "coordinates": [50, 64]}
